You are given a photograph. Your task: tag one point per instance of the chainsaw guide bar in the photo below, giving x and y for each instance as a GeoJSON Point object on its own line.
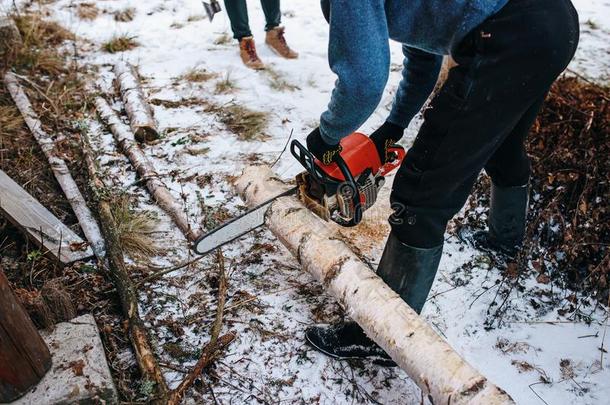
{"type": "Point", "coordinates": [237, 227]}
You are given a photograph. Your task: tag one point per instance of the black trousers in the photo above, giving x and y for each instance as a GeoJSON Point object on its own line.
{"type": "Point", "coordinates": [480, 118]}
{"type": "Point", "coordinates": [238, 15]}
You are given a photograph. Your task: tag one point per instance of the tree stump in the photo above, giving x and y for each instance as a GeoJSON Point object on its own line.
{"type": "Point", "coordinates": [24, 356]}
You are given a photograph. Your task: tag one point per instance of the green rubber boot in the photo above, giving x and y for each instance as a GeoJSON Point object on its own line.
{"type": "Point", "coordinates": [409, 271]}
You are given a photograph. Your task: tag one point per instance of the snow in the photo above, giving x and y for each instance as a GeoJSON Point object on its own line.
{"type": "Point", "coordinates": [532, 351]}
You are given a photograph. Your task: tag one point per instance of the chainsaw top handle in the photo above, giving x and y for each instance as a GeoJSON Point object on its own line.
{"type": "Point", "coordinates": [308, 161]}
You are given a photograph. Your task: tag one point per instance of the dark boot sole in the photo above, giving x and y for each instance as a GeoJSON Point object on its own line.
{"type": "Point", "coordinates": [380, 361]}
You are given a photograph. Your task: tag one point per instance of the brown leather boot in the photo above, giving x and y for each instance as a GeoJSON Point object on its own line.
{"type": "Point", "coordinates": [247, 51]}
{"type": "Point", "coordinates": [276, 41]}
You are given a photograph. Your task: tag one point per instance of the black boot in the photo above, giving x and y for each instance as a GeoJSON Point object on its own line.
{"type": "Point", "coordinates": [346, 340]}
{"type": "Point", "coordinates": [507, 220]}
{"type": "Point", "coordinates": [409, 271]}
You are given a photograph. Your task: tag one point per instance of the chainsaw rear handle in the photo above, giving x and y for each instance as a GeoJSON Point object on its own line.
{"type": "Point", "coordinates": [308, 160]}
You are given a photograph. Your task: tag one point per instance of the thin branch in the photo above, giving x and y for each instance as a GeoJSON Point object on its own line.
{"type": "Point", "coordinates": [215, 345]}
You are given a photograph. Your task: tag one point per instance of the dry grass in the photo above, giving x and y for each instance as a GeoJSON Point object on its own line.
{"type": "Point", "coordinates": [198, 75]}
{"type": "Point", "coordinates": [87, 11]}
{"type": "Point", "coordinates": [120, 43]}
{"type": "Point", "coordinates": [134, 229]}
{"type": "Point", "coordinates": [223, 39]}
{"type": "Point", "coordinates": [277, 81]}
{"type": "Point", "coordinates": [225, 85]}
{"type": "Point", "coordinates": [10, 120]}
{"type": "Point", "coordinates": [125, 15]}
{"type": "Point", "coordinates": [196, 17]}
{"type": "Point", "coordinates": [38, 32]}
{"type": "Point", "coordinates": [247, 124]}
{"type": "Point", "coordinates": [39, 49]}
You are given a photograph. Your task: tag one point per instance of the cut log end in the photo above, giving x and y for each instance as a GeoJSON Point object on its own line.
{"type": "Point", "coordinates": [139, 112]}
{"type": "Point", "coordinates": [146, 134]}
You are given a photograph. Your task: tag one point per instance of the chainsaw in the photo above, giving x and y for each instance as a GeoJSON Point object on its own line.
{"type": "Point", "coordinates": [338, 192]}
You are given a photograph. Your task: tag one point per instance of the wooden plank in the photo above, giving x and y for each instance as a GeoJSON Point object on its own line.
{"type": "Point", "coordinates": [24, 356]}
{"type": "Point", "coordinates": [40, 225]}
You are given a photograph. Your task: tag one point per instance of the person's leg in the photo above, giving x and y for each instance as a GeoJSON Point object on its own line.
{"type": "Point", "coordinates": [509, 166]}
{"type": "Point", "coordinates": [273, 15]}
{"type": "Point", "coordinates": [509, 169]}
{"type": "Point", "coordinates": [238, 15]}
{"type": "Point", "coordinates": [275, 34]}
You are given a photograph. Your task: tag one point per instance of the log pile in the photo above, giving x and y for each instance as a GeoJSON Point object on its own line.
{"type": "Point", "coordinates": [442, 375]}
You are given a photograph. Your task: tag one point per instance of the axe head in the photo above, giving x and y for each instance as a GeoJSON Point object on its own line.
{"type": "Point", "coordinates": [211, 8]}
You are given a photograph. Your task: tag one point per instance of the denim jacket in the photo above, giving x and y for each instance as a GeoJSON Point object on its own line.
{"type": "Point", "coordinates": [359, 54]}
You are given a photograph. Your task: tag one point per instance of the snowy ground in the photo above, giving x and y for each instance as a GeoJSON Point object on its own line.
{"type": "Point", "coordinates": [531, 351]}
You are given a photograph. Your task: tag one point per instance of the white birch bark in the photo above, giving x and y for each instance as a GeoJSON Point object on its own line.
{"type": "Point", "coordinates": [86, 220]}
{"type": "Point", "coordinates": [442, 375]}
{"type": "Point", "coordinates": [126, 141]}
{"type": "Point", "coordinates": [139, 112]}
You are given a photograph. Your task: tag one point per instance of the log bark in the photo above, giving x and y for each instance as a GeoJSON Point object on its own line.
{"type": "Point", "coordinates": [442, 375]}
{"type": "Point", "coordinates": [145, 356]}
{"type": "Point", "coordinates": [125, 139]}
{"type": "Point", "coordinates": [138, 110]}
{"type": "Point", "coordinates": [86, 220]}
{"type": "Point", "coordinates": [24, 356]}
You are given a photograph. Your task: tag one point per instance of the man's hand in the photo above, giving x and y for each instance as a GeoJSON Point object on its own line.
{"type": "Point", "coordinates": [324, 152]}
{"type": "Point", "coordinates": [385, 137]}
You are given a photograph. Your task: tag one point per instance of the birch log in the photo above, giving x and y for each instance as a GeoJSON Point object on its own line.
{"type": "Point", "coordinates": [437, 369]}
{"type": "Point", "coordinates": [124, 137]}
{"type": "Point", "coordinates": [138, 110]}
{"type": "Point", "coordinates": [86, 220]}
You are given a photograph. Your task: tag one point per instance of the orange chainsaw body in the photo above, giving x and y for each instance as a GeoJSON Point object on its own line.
{"type": "Point", "coordinates": [325, 190]}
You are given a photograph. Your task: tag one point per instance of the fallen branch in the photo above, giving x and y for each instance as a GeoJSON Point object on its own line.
{"type": "Point", "coordinates": [125, 139]}
{"type": "Point", "coordinates": [214, 345]}
{"type": "Point", "coordinates": [86, 220]}
{"type": "Point", "coordinates": [437, 369]}
{"type": "Point", "coordinates": [163, 271]}
{"type": "Point", "coordinates": [138, 110]}
{"type": "Point", "coordinates": [127, 293]}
